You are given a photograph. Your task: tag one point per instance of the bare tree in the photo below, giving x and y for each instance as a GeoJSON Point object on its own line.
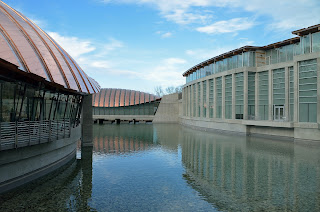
{"type": "Point", "coordinates": [158, 91]}
{"type": "Point", "coordinates": [170, 90]}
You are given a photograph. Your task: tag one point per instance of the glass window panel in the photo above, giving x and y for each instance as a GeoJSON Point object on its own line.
{"type": "Point", "coordinates": [316, 42]}
{"type": "Point", "coordinates": [306, 44]}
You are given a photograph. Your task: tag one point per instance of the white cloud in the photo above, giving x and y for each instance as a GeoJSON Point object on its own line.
{"type": "Point", "coordinates": [232, 25]}
{"type": "Point", "coordinates": [279, 15]}
{"type": "Point", "coordinates": [164, 34]}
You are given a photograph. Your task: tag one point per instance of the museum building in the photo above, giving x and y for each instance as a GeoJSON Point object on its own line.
{"type": "Point", "coordinates": [42, 92]}
{"type": "Point", "coordinates": [271, 90]}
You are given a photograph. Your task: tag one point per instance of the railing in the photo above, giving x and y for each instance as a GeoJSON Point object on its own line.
{"type": "Point", "coordinates": [26, 133]}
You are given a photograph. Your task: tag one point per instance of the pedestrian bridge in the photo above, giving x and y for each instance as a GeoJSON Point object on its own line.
{"type": "Point", "coordinates": [122, 118]}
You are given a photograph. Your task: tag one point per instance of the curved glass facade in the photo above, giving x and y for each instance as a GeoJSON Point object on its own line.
{"type": "Point", "coordinates": [271, 54]}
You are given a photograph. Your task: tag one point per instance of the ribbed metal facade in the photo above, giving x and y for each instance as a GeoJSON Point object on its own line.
{"type": "Point", "coordinates": [115, 97]}
{"type": "Point", "coordinates": [24, 44]}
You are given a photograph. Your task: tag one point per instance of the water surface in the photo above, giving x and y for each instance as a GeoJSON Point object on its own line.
{"type": "Point", "coordinates": [172, 168]}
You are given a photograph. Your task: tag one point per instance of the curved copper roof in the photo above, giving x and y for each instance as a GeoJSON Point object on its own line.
{"type": "Point", "coordinates": [24, 44]}
{"type": "Point", "coordinates": [115, 97]}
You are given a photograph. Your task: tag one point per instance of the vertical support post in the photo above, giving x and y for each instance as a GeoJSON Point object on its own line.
{"type": "Point", "coordinates": [215, 97]}
{"type": "Point", "coordinates": [318, 92]}
{"type": "Point", "coordinates": [286, 101]}
{"type": "Point", "coordinates": [256, 103]}
{"type": "Point", "coordinates": [270, 81]}
{"type": "Point", "coordinates": [223, 103]}
{"type": "Point", "coordinates": [296, 91]}
{"type": "Point", "coordinates": [201, 105]}
{"type": "Point", "coordinates": [86, 120]}
{"type": "Point", "coordinates": [245, 95]}
{"type": "Point", "coordinates": [196, 99]}
{"type": "Point", "coordinates": [233, 104]}
{"type": "Point", "coordinates": [207, 98]}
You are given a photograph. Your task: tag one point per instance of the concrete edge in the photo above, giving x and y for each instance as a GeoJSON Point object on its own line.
{"type": "Point", "coordinates": [21, 180]}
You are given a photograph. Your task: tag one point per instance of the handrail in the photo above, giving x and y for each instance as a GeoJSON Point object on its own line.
{"type": "Point", "coordinates": [27, 133]}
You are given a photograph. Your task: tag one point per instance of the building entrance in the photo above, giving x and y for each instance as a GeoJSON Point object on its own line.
{"type": "Point", "coordinates": [278, 113]}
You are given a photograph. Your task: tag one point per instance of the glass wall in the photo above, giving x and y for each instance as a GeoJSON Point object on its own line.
{"type": "Point", "coordinates": [23, 102]}
{"type": "Point", "coordinates": [245, 59]}
{"type": "Point", "coordinates": [263, 95]}
{"type": "Point", "coordinates": [308, 91]}
{"type": "Point", "coordinates": [251, 95]}
{"type": "Point", "coordinates": [142, 109]}
{"type": "Point", "coordinates": [316, 42]}
{"type": "Point", "coordinates": [204, 97]}
{"type": "Point", "coordinates": [228, 97]}
{"type": "Point", "coordinates": [239, 95]}
{"type": "Point", "coordinates": [211, 98]}
{"type": "Point", "coordinates": [219, 97]}
{"type": "Point", "coordinates": [278, 86]}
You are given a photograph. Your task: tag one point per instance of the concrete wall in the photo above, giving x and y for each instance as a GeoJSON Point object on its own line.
{"type": "Point", "coordinates": [86, 120]}
{"type": "Point", "coordinates": [168, 110]}
{"type": "Point", "coordinates": [22, 165]}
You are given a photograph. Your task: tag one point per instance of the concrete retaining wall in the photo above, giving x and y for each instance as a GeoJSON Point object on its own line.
{"type": "Point", "coordinates": [168, 110]}
{"type": "Point", "coordinates": [276, 130]}
{"type": "Point", "coordinates": [22, 165]}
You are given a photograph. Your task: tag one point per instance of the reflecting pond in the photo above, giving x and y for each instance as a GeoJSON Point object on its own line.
{"type": "Point", "coordinates": [172, 168]}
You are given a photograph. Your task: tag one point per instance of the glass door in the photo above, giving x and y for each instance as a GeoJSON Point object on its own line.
{"type": "Point", "coordinates": [278, 113]}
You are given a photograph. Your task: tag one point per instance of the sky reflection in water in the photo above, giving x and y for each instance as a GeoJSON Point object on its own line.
{"type": "Point", "coordinates": [173, 168]}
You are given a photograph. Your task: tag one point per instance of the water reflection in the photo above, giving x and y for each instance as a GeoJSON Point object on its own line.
{"type": "Point", "coordinates": [253, 174]}
{"type": "Point", "coordinates": [67, 189]}
{"type": "Point", "coordinates": [172, 168]}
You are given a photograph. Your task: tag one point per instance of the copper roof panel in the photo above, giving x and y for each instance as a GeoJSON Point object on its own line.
{"type": "Point", "coordinates": [73, 74]}
{"type": "Point", "coordinates": [147, 96]}
{"type": "Point", "coordinates": [122, 95]}
{"type": "Point", "coordinates": [132, 95]}
{"type": "Point", "coordinates": [96, 100]}
{"type": "Point", "coordinates": [6, 52]}
{"type": "Point", "coordinates": [137, 98]}
{"type": "Point", "coordinates": [127, 101]}
{"type": "Point", "coordinates": [93, 98]}
{"type": "Point", "coordinates": [142, 97]}
{"type": "Point", "coordinates": [34, 51]}
{"type": "Point", "coordinates": [111, 100]}
{"type": "Point", "coordinates": [49, 61]}
{"type": "Point", "coordinates": [117, 98]}
{"type": "Point", "coordinates": [61, 61]}
{"type": "Point", "coordinates": [102, 97]}
{"type": "Point", "coordinates": [23, 46]}
{"type": "Point", "coordinates": [152, 97]}
{"type": "Point", "coordinates": [107, 97]}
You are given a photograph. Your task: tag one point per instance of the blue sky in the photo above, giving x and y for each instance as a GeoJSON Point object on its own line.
{"type": "Point", "coordinates": [141, 44]}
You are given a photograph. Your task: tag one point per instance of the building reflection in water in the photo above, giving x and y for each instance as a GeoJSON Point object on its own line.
{"type": "Point", "coordinates": [67, 189]}
{"type": "Point", "coordinates": [238, 173]}
{"type": "Point", "coordinates": [123, 139]}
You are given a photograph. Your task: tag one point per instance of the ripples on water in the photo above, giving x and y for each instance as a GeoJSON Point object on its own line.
{"type": "Point", "coordinates": [172, 168]}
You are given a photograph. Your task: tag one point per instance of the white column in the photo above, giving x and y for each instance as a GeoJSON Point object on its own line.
{"type": "Point", "coordinates": [286, 101]}
{"type": "Point", "coordinates": [223, 97]}
{"type": "Point", "coordinates": [233, 97]}
{"type": "Point", "coordinates": [207, 99]}
{"type": "Point", "coordinates": [256, 103]}
{"type": "Point", "coordinates": [270, 95]}
{"type": "Point", "coordinates": [245, 95]}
